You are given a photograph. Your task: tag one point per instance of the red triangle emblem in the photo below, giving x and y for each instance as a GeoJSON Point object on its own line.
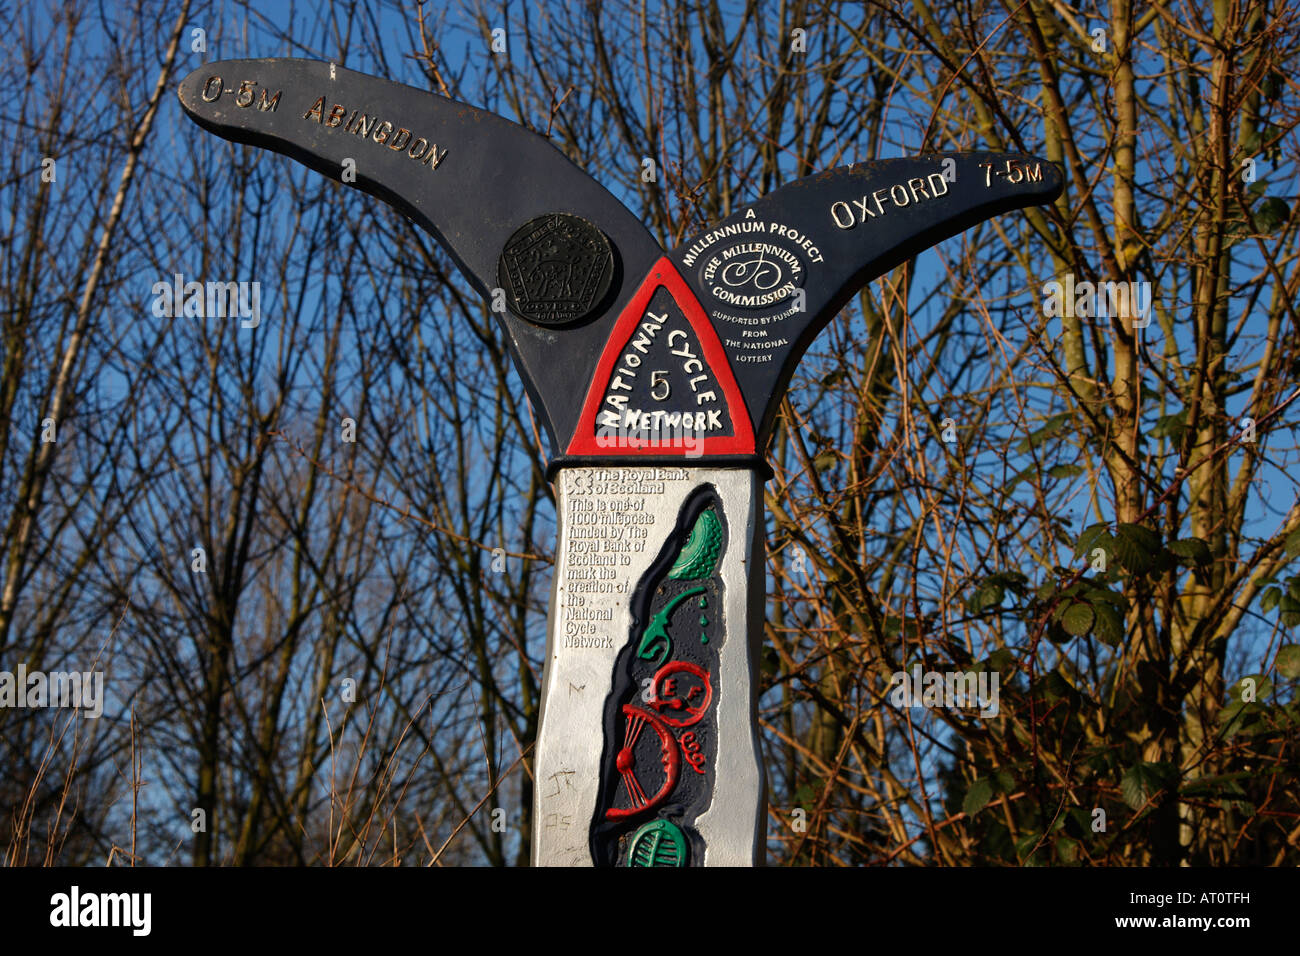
{"type": "Point", "coordinates": [740, 442]}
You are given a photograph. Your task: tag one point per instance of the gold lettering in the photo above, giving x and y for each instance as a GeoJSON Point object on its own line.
{"type": "Point", "coordinates": [433, 155]}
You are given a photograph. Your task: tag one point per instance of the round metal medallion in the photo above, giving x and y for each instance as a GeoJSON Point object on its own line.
{"type": "Point", "coordinates": [556, 269]}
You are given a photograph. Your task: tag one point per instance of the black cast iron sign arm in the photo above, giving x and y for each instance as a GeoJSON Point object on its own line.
{"type": "Point", "coordinates": [468, 177]}
{"type": "Point", "coordinates": [839, 230]}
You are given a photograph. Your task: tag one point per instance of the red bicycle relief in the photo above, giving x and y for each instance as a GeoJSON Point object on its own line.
{"type": "Point", "coordinates": [627, 764]}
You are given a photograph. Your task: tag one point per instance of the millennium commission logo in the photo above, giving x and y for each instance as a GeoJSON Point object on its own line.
{"type": "Point", "coordinates": [752, 274]}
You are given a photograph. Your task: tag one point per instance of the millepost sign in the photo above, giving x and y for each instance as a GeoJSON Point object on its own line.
{"type": "Point", "coordinates": [657, 374]}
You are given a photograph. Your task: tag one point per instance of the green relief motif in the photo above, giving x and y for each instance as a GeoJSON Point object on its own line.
{"type": "Point", "coordinates": [701, 550]}
{"type": "Point", "coordinates": [655, 639]}
{"type": "Point", "coordinates": [658, 843]}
